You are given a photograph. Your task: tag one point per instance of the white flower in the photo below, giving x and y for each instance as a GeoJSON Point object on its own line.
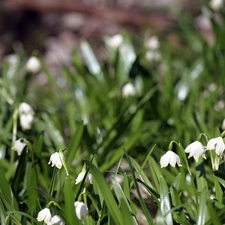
{"type": "Point", "coordinates": [44, 215]}
{"type": "Point", "coordinates": [26, 114]}
{"type": "Point", "coordinates": [153, 55]}
{"type": "Point", "coordinates": [152, 43]}
{"type": "Point", "coordinates": [195, 149]}
{"type": "Point", "coordinates": [19, 145]}
{"type": "Point", "coordinates": [57, 220]}
{"type": "Point", "coordinates": [115, 41]}
{"type": "Point", "coordinates": [33, 64]}
{"type": "Point", "coordinates": [26, 121]}
{"type": "Point", "coordinates": [13, 60]}
{"type": "Point", "coordinates": [216, 4]}
{"type": "Point", "coordinates": [170, 158]}
{"type": "Point", "coordinates": [81, 175]}
{"type": "Point", "coordinates": [128, 90]}
{"type": "Point", "coordinates": [25, 108]}
{"type": "Point", "coordinates": [216, 144]}
{"type": "Point", "coordinates": [55, 160]}
{"type": "Point", "coordinates": [81, 210]}
{"type": "Point", "coordinates": [223, 125]}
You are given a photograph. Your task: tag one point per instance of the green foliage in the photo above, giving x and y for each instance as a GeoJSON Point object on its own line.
{"type": "Point", "coordinates": [84, 115]}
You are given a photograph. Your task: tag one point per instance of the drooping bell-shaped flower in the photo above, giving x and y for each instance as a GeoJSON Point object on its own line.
{"type": "Point", "coordinates": [26, 114]}
{"type": "Point", "coordinates": [19, 145]}
{"type": "Point", "coordinates": [216, 4]}
{"type": "Point", "coordinates": [81, 210]}
{"type": "Point", "coordinates": [25, 108]}
{"type": "Point", "coordinates": [56, 220]}
{"type": "Point", "coordinates": [33, 64]}
{"type": "Point", "coordinates": [195, 149]}
{"type": "Point", "coordinates": [170, 158]}
{"type": "Point", "coordinates": [81, 175]}
{"type": "Point", "coordinates": [44, 215]}
{"type": "Point", "coordinates": [216, 144]}
{"type": "Point", "coordinates": [56, 160]}
{"type": "Point", "coordinates": [115, 41]}
{"type": "Point", "coordinates": [128, 90]}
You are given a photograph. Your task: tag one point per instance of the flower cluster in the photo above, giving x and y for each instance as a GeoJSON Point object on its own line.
{"type": "Point", "coordinates": [152, 46]}
{"type": "Point", "coordinates": [195, 150]}
{"type": "Point", "coordinates": [45, 215]}
{"type": "Point", "coordinates": [26, 114]}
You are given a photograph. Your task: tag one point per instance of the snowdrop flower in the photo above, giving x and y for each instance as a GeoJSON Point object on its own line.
{"type": "Point", "coordinates": [33, 64]}
{"type": "Point", "coordinates": [19, 145]}
{"type": "Point", "coordinates": [128, 90]}
{"type": "Point", "coordinates": [55, 160]}
{"type": "Point", "coordinates": [115, 41]}
{"type": "Point", "coordinates": [81, 210]}
{"type": "Point", "coordinates": [216, 144]}
{"type": "Point", "coordinates": [216, 4]}
{"type": "Point", "coordinates": [26, 114]}
{"type": "Point", "coordinates": [81, 175]}
{"type": "Point", "coordinates": [57, 220]}
{"type": "Point", "coordinates": [195, 149]}
{"type": "Point", "coordinates": [170, 158]}
{"type": "Point", "coordinates": [44, 215]}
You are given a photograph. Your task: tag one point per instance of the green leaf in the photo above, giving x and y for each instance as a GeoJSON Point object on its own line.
{"type": "Point", "coordinates": [143, 205]}
{"type": "Point", "coordinates": [165, 206]}
{"type": "Point", "coordinates": [106, 193]}
{"type": "Point", "coordinates": [70, 215]}
{"type": "Point", "coordinates": [31, 183]}
{"type": "Point", "coordinates": [91, 60]}
{"type": "Point", "coordinates": [6, 191]}
{"type": "Point", "coordinates": [125, 207]}
{"type": "Point", "coordinates": [74, 143]}
{"type": "Point", "coordinates": [38, 144]}
{"type": "Point", "coordinates": [202, 210]}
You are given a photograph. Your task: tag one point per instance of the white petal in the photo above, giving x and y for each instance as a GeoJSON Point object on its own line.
{"type": "Point", "coordinates": [81, 209]}
{"type": "Point", "coordinates": [19, 145]}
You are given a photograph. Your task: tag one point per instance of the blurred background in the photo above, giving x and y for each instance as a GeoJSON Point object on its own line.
{"type": "Point", "coordinates": [54, 27]}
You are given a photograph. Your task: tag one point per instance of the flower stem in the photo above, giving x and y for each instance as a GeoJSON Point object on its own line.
{"type": "Point", "coordinates": [14, 134]}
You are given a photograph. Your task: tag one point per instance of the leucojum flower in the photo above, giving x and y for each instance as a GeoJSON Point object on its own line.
{"type": "Point", "coordinates": [44, 215]}
{"type": "Point", "coordinates": [19, 145]}
{"type": "Point", "coordinates": [216, 144]}
{"type": "Point", "coordinates": [115, 41]}
{"type": "Point", "coordinates": [128, 90]}
{"type": "Point", "coordinates": [195, 149]}
{"type": "Point", "coordinates": [170, 158]}
{"type": "Point", "coordinates": [81, 210]}
{"type": "Point", "coordinates": [56, 220]}
{"type": "Point", "coordinates": [216, 4]}
{"type": "Point", "coordinates": [33, 64]}
{"type": "Point", "coordinates": [81, 175]}
{"type": "Point", "coordinates": [56, 160]}
{"type": "Point", "coordinates": [26, 114]}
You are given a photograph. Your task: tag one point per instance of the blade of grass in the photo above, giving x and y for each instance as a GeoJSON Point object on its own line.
{"type": "Point", "coordinates": [143, 205]}
{"type": "Point", "coordinates": [106, 193]}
